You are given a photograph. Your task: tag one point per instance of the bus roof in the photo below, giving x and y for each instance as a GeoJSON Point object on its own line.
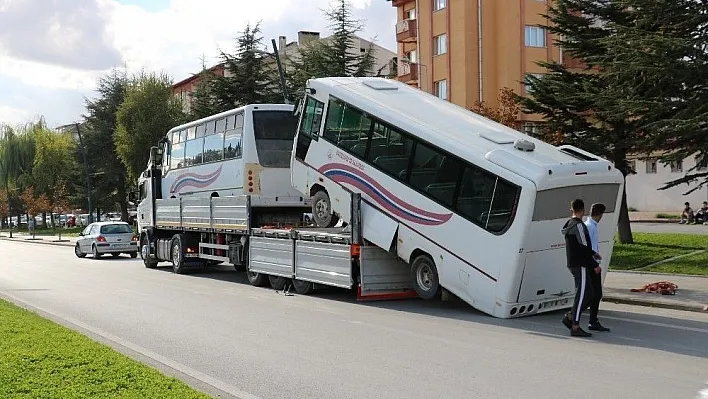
{"type": "Point", "coordinates": [440, 122]}
{"type": "Point", "coordinates": [267, 107]}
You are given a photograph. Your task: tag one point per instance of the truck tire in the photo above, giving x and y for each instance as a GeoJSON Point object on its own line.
{"type": "Point", "coordinates": [177, 254]}
{"type": "Point", "coordinates": [145, 253]}
{"type": "Point", "coordinates": [257, 279]}
{"type": "Point", "coordinates": [322, 210]}
{"type": "Point", "coordinates": [277, 282]}
{"type": "Point", "coordinates": [303, 287]}
{"type": "Point", "coordinates": [424, 277]}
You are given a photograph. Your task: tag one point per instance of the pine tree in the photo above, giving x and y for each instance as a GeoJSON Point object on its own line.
{"type": "Point", "coordinates": [334, 56]}
{"type": "Point", "coordinates": [580, 105]}
{"type": "Point", "coordinates": [203, 103]}
{"type": "Point", "coordinates": [251, 74]}
{"type": "Point", "coordinates": [661, 60]}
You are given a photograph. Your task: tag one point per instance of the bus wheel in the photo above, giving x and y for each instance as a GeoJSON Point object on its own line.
{"type": "Point", "coordinates": [277, 282]}
{"type": "Point", "coordinates": [424, 276]}
{"type": "Point", "coordinates": [257, 279]}
{"type": "Point", "coordinates": [303, 287]}
{"type": "Point", "coordinates": [322, 210]}
{"type": "Point", "coordinates": [177, 253]}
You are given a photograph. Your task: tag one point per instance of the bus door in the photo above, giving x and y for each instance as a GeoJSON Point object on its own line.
{"type": "Point", "coordinates": [309, 126]}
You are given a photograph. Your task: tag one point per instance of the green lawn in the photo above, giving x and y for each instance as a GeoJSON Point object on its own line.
{"type": "Point", "coordinates": [652, 247]}
{"type": "Point", "coordinates": [70, 232]}
{"type": "Point", "coordinates": [41, 359]}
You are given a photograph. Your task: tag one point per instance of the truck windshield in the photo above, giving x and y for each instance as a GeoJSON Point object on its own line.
{"type": "Point", "coordinates": [274, 132]}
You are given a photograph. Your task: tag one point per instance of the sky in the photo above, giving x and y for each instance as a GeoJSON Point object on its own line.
{"type": "Point", "coordinates": [53, 51]}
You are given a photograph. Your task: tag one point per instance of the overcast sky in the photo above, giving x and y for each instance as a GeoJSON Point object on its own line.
{"type": "Point", "coordinates": [52, 51]}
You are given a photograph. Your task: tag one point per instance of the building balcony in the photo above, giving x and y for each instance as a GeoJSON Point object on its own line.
{"type": "Point", "coordinates": [407, 72]}
{"type": "Point", "coordinates": [406, 30]}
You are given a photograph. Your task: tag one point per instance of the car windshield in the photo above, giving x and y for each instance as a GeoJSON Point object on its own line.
{"type": "Point", "coordinates": [116, 229]}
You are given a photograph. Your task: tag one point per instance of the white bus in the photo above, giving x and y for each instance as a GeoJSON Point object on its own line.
{"type": "Point", "coordinates": [213, 156]}
{"type": "Point", "coordinates": [473, 206]}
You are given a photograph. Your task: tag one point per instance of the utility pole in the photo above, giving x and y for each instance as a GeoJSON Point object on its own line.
{"type": "Point", "coordinates": [88, 175]}
{"type": "Point", "coordinates": [280, 72]}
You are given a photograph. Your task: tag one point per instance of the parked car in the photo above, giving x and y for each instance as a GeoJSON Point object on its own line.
{"type": "Point", "coordinates": [101, 238]}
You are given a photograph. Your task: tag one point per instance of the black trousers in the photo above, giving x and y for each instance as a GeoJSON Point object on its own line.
{"type": "Point", "coordinates": [596, 281]}
{"type": "Point", "coordinates": [583, 291]}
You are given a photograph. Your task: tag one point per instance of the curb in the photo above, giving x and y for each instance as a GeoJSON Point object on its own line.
{"type": "Point", "coordinates": [58, 244]}
{"type": "Point", "coordinates": [654, 221]}
{"type": "Point", "coordinates": [667, 275]}
{"type": "Point", "coordinates": [655, 304]}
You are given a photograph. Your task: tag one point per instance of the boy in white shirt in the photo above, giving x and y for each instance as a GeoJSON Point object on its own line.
{"type": "Point", "coordinates": [596, 212]}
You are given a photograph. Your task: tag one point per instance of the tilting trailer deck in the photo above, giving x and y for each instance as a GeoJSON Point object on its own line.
{"type": "Point", "coordinates": [193, 232]}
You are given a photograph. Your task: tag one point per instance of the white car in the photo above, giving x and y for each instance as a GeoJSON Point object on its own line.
{"type": "Point", "coordinates": [113, 238]}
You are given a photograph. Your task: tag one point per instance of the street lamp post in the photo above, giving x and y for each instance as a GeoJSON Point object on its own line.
{"type": "Point", "coordinates": [88, 175]}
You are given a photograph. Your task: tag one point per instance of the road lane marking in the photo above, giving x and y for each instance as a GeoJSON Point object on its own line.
{"type": "Point", "coordinates": [197, 375]}
{"type": "Point", "coordinates": [658, 324]}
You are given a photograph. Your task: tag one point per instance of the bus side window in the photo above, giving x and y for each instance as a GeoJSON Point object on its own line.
{"type": "Point", "coordinates": [232, 138]}
{"type": "Point", "coordinates": [312, 118]}
{"type": "Point", "coordinates": [347, 128]}
{"type": "Point", "coordinates": [177, 156]}
{"type": "Point", "coordinates": [214, 143]}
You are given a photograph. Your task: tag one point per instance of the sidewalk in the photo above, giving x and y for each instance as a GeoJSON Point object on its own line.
{"type": "Point", "coordinates": [649, 217]}
{"type": "Point", "coordinates": [23, 236]}
{"type": "Point", "coordinates": [691, 295]}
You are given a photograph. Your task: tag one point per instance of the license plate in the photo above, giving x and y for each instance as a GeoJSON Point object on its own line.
{"type": "Point", "coordinates": [119, 246]}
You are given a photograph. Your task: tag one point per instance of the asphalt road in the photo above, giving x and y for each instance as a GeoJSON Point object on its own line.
{"type": "Point", "coordinates": [229, 338]}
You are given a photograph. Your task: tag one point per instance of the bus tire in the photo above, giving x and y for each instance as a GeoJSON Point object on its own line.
{"type": "Point", "coordinates": [424, 276]}
{"type": "Point", "coordinates": [177, 254]}
{"type": "Point", "coordinates": [322, 210]}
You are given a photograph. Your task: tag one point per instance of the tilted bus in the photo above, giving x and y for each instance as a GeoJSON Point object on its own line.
{"type": "Point", "coordinates": [473, 206]}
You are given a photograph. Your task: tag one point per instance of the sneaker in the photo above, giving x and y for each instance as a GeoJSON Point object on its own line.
{"type": "Point", "coordinates": [580, 333]}
{"type": "Point", "coordinates": [566, 321]}
{"type": "Point", "coordinates": [596, 326]}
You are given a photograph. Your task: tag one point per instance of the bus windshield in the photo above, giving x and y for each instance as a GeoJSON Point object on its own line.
{"type": "Point", "coordinates": [274, 132]}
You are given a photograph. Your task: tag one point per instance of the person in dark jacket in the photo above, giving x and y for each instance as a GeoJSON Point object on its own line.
{"type": "Point", "coordinates": [581, 262]}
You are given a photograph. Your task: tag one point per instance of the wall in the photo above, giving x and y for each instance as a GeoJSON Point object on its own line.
{"type": "Point", "coordinates": [643, 195]}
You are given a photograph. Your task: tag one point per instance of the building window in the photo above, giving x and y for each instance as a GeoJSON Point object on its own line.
{"type": "Point", "coordinates": [535, 36]}
{"type": "Point", "coordinates": [441, 89]}
{"type": "Point", "coordinates": [651, 165]}
{"type": "Point", "coordinates": [440, 44]}
{"type": "Point", "coordinates": [676, 166]}
{"type": "Point", "coordinates": [528, 88]}
{"type": "Point", "coordinates": [410, 14]}
{"type": "Point", "coordinates": [532, 129]}
{"type": "Point", "coordinates": [439, 4]}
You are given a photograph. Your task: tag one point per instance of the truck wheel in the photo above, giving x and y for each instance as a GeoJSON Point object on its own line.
{"type": "Point", "coordinates": [303, 287]}
{"type": "Point", "coordinates": [145, 253]}
{"type": "Point", "coordinates": [177, 254]}
{"type": "Point", "coordinates": [322, 210]}
{"type": "Point", "coordinates": [424, 276]}
{"type": "Point", "coordinates": [257, 279]}
{"type": "Point", "coordinates": [277, 282]}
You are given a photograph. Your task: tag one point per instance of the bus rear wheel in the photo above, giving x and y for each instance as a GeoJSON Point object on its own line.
{"type": "Point", "coordinates": [424, 276]}
{"type": "Point", "coordinates": [322, 210]}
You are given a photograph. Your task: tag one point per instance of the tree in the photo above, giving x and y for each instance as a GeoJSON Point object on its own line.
{"type": "Point", "coordinates": [53, 163]}
{"type": "Point", "coordinates": [147, 114]}
{"type": "Point", "coordinates": [336, 56]}
{"type": "Point", "coordinates": [99, 137]}
{"type": "Point", "coordinates": [203, 103]}
{"type": "Point", "coordinates": [251, 76]}
{"type": "Point", "coordinates": [4, 208]}
{"type": "Point", "coordinates": [581, 104]}
{"type": "Point", "coordinates": [35, 204]}
{"type": "Point", "coordinates": [17, 149]}
{"type": "Point", "coordinates": [506, 112]}
{"type": "Point", "coordinates": [661, 60]}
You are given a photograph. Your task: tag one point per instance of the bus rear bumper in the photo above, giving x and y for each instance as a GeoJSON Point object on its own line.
{"type": "Point", "coordinates": [507, 310]}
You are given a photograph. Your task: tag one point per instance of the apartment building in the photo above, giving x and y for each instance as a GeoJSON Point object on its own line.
{"type": "Point", "coordinates": [467, 50]}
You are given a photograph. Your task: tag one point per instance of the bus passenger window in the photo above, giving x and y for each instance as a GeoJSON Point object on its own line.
{"type": "Point", "coordinates": [214, 147]}
{"type": "Point", "coordinates": [502, 206]}
{"type": "Point", "coordinates": [221, 125]}
{"type": "Point", "coordinates": [347, 128]}
{"type": "Point", "coordinates": [232, 145]}
{"type": "Point", "coordinates": [392, 157]}
{"type": "Point", "coordinates": [435, 174]}
{"type": "Point", "coordinates": [177, 156]}
{"type": "Point", "coordinates": [194, 151]}
{"type": "Point", "coordinates": [475, 195]}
